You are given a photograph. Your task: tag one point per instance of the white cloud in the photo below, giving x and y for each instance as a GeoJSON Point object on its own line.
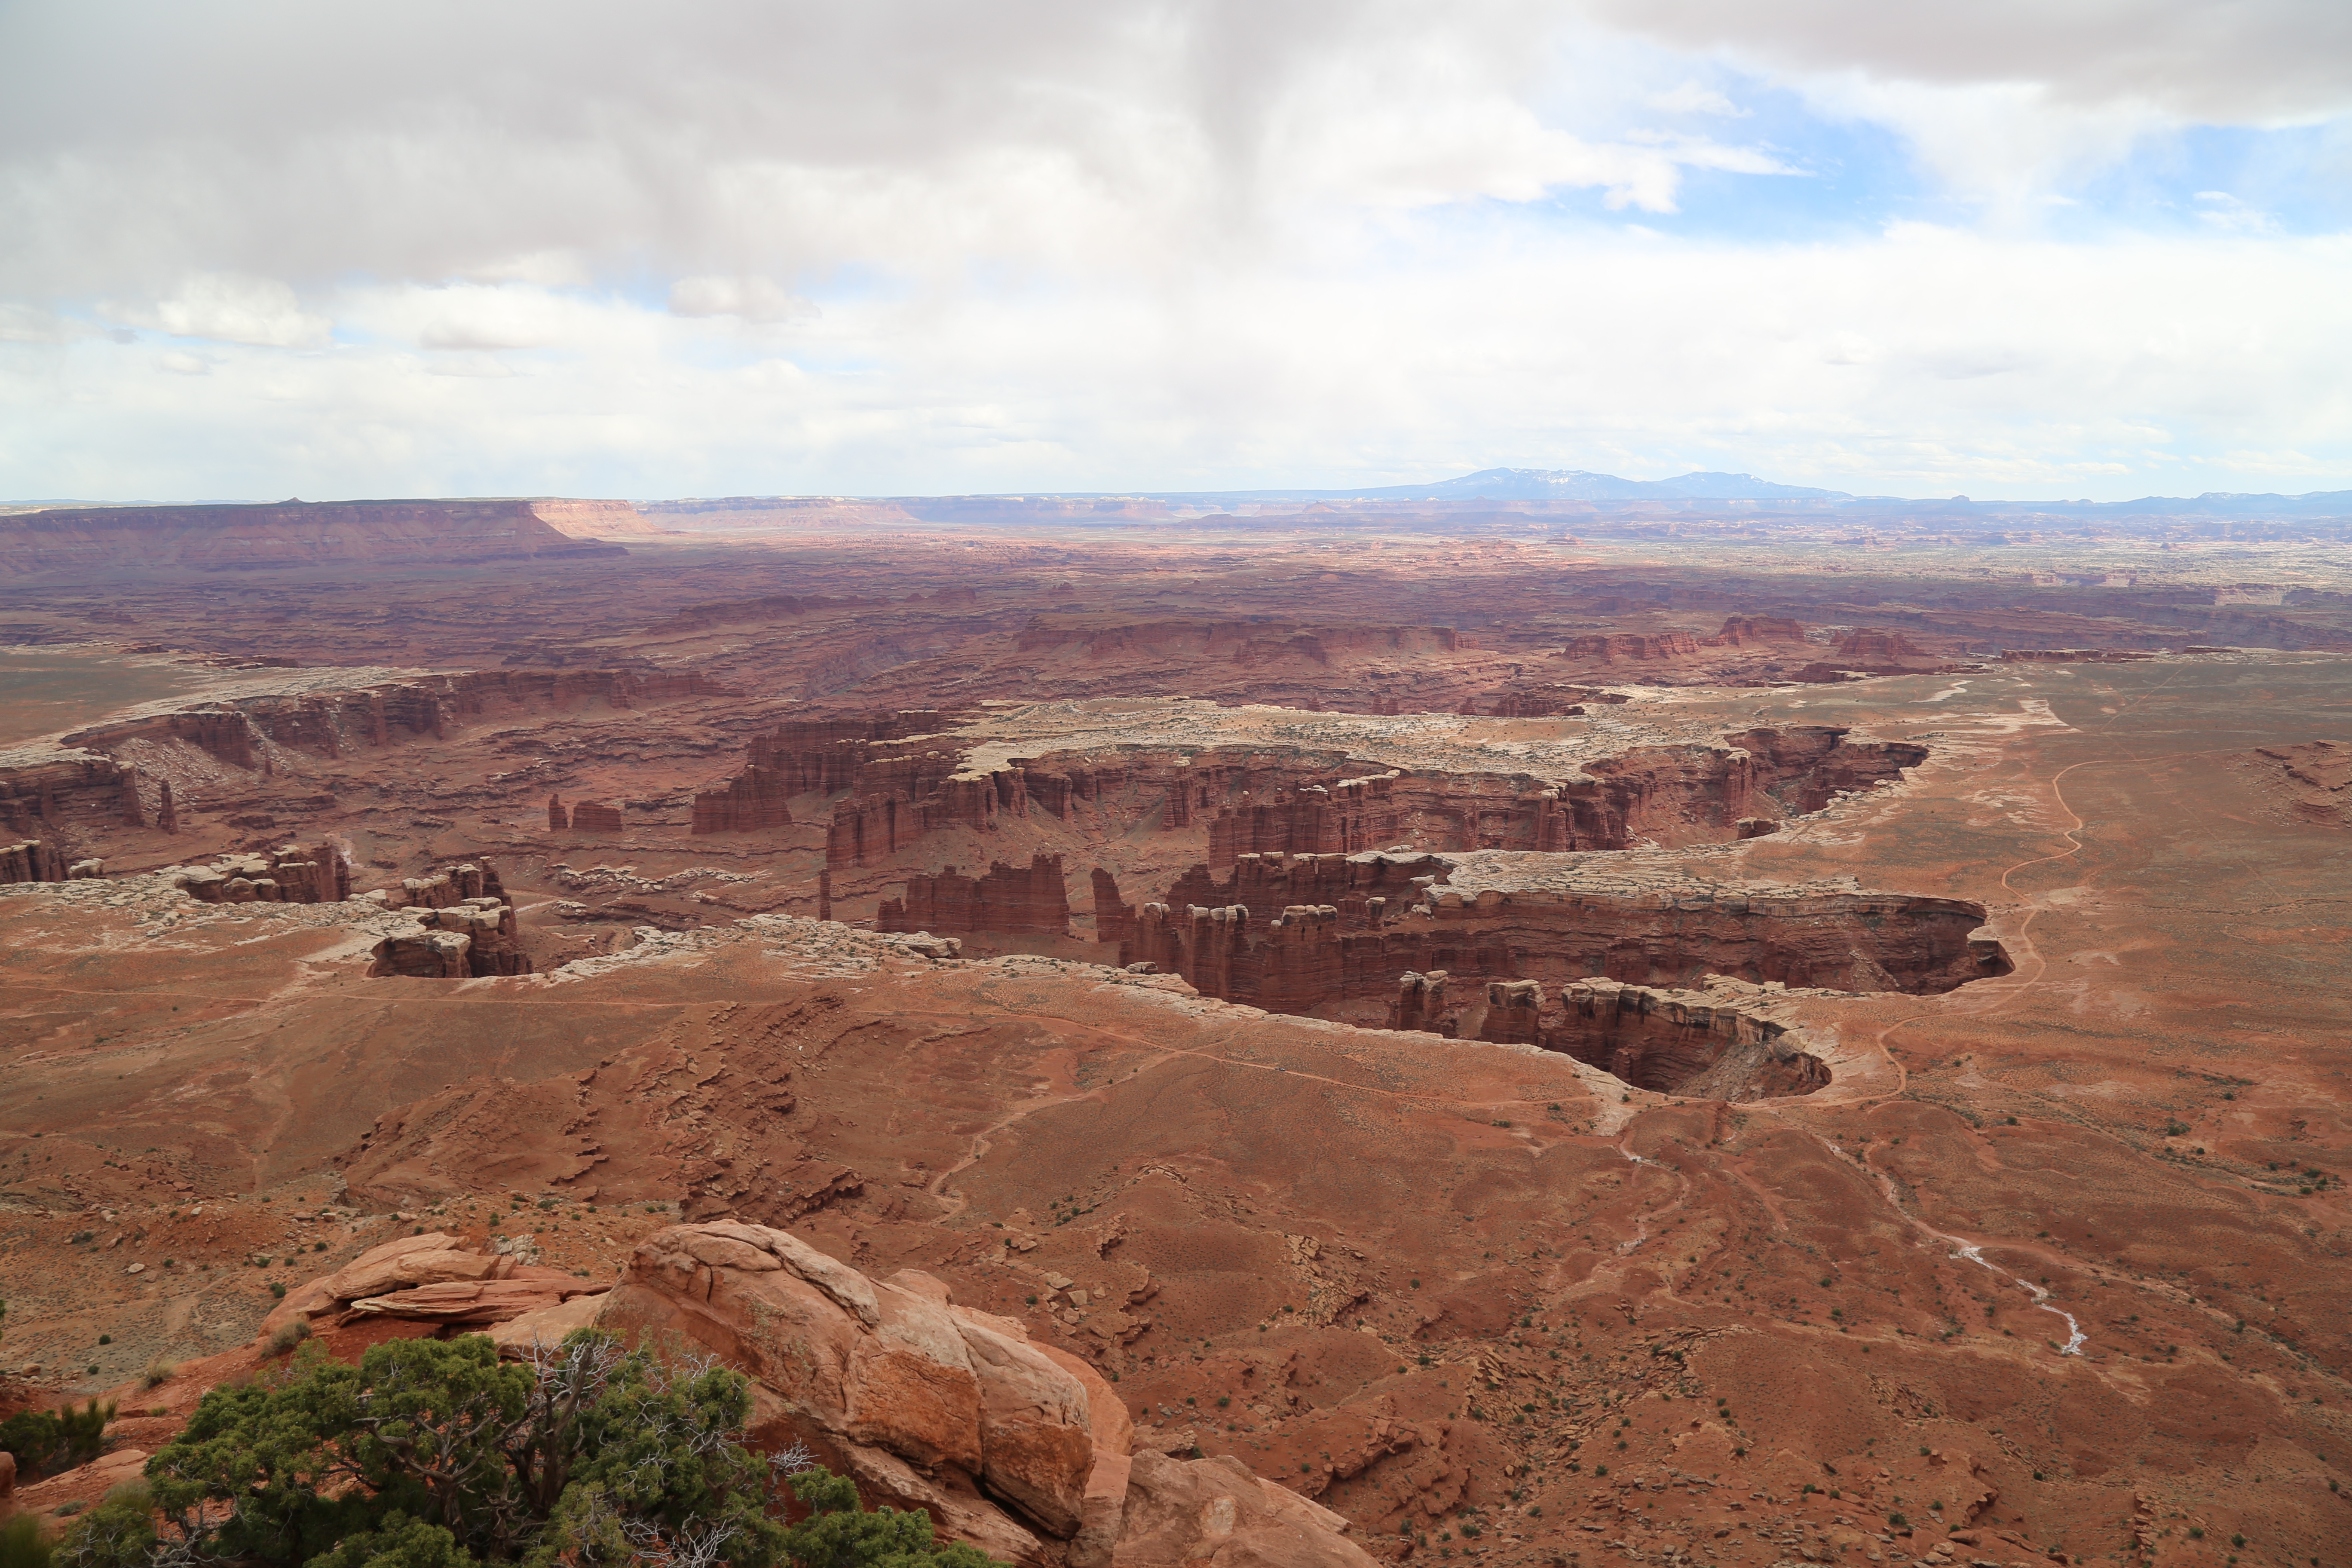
{"type": "Point", "coordinates": [2249, 62]}
{"type": "Point", "coordinates": [1691, 97]}
{"type": "Point", "coordinates": [180, 364]}
{"type": "Point", "coordinates": [232, 308]}
{"type": "Point", "coordinates": [1928, 361]}
{"type": "Point", "coordinates": [755, 299]}
{"type": "Point", "coordinates": [1113, 242]}
{"type": "Point", "coordinates": [22, 323]}
{"type": "Point", "coordinates": [473, 319]}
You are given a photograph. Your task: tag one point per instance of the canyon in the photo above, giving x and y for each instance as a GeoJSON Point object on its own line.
{"type": "Point", "coordinates": [1537, 1034]}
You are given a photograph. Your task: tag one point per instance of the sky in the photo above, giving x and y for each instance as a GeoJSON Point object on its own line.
{"type": "Point", "coordinates": [2014, 249]}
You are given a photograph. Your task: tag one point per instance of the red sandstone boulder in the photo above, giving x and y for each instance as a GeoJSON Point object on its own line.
{"type": "Point", "coordinates": [1215, 1512]}
{"type": "Point", "coordinates": [428, 1278]}
{"type": "Point", "coordinates": [1011, 1446]}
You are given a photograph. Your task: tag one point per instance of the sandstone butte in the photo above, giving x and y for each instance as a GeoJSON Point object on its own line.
{"type": "Point", "coordinates": [1377, 1032]}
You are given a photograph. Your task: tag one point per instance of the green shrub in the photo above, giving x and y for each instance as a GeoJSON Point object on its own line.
{"type": "Point", "coordinates": [23, 1544]}
{"type": "Point", "coordinates": [436, 1454]}
{"type": "Point", "coordinates": [118, 1533]}
{"type": "Point", "coordinates": [56, 1440]}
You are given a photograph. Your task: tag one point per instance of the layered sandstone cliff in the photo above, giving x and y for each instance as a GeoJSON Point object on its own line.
{"type": "Point", "coordinates": [291, 533]}
{"type": "Point", "coordinates": [1012, 898]}
{"type": "Point", "coordinates": [754, 799]}
{"type": "Point", "coordinates": [466, 926]}
{"type": "Point", "coordinates": [1376, 916]}
{"type": "Point", "coordinates": [293, 874]}
{"type": "Point", "coordinates": [1287, 800]}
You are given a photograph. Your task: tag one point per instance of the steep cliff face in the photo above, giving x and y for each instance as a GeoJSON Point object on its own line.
{"type": "Point", "coordinates": [31, 860]}
{"type": "Point", "coordinates": [113, 775]}
{"type": "Point", "coordinates": [1632, 647]}
{"type": "Point", "coordinates": [465, 925]}
{"type": "Point", "coordinates": [294, 534]}
{"type": "Point", "coordinates": [56, 804]}
{"type": "Point", "coordinates": [1287, 800]}
{"type": "Point", "coordinates": [1114, 917]}
{"type": "Point", "coordinates": [592, 518]}
{"type": "Point", "coordinates": [1718, 1043]}
{"type": "Point", "coordinates": [1877, 645]}
{"type": "Point", "coordinates": [333, 723]}
{"type": "Point", "coordinates": [1013, 898]}
{"type": "Point", "coordinates": [597, 816]}
{"type": "Point", "coordinates": [754, 799]}
{"type": "Point", "coordinates": [1691, 795]}
{"type": "Point", "coordinates": [1242, 642]}
{"type": "Point", "coordinates": [292, 874]}
{"type": "Point", "coordinates": [1383, 917]}
{"type": "Point", "coordinates": [1746, 631]}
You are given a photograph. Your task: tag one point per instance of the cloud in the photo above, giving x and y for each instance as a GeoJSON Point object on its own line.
{"type": "Point", "coordinates": [35, 324]}
{"type": "Point", "coordinates": [754, 299]}
{"type": "Point", "coordinates": [232, 308]}
{"type": "Point", "coordinates": [1926, 361]}
{"type": "Point", "coordinates": [2251, 62]}
{"type": "Point", "coordinates": [785, 142]}
{"type": "Point", "coordinates": [1690, 97]}
{"type": "Point", "coordinates": [180, 364]}
{"type": "Point", "coordinates": [1113, 242]}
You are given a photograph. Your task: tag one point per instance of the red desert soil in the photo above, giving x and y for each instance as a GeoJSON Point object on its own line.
{"type": "Point", "coordinates": [1877, 1119]}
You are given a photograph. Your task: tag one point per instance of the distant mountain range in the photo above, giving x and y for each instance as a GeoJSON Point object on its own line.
{"type": "Point", "coordinates": [1579, 484]}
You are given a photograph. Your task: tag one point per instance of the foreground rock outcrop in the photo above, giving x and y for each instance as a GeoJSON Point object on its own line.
{"type": "Point", "coordinates": [1017, 1447]}
{"type": "Point", "coordinates": [1022, 1449]}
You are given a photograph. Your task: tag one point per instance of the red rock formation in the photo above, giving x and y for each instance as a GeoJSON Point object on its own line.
{"type": "Point", "coordinates": [1420, 1002]}
{"type": "Point", "coordinates": [167, 817]}
{"type": "Point", "coordinates": [1317, 956]}
{"type": "Point", "coordinates": [1512, 1012]}
{"type": "Point", "coordinates": [752, 800]}
{"type": "Point", "coordinates": [1876, 644]}
{"type": "Point", "coordinates": [1005, 898]}
{"type": "Point", "coordinates": [1679, 1043]}
{"type": "Point", "coordinates": [1558, 702]}
{"type": "Point", "coordinates": [2081, 655]}
{"type": "Point", "coordinates": [1240, 642]}
{"type": "Point", "coordinates": [592, 518]}
{"type": "Point", "coordinates": [1008, 1445]}
{"type": "Point", "coordinates": [61, 797]}
{"type": "Point", "coordinates": [1674, 795]}
{"type": "Point", "coordinates": [558, 819]}
{"type": "Point", "coordinates": [291, 874]}
{"type": "Point", "coordinates": [1630, 647]}
{"type": "Point", "coordinates": [1114, 917]}
{"type": "Point", "coordinates": [424, 955]}
{"type": "Point", "coordinates": [595, 816]}
{"type": "Point", "coordinates": [899, 799]}
{"type": "Point", "coordinates": [294, 534]}
{"type": "Point", "coordinates": [466, 926]}
{"type": "Point", "coordinates": [33, 860]}
{"type": "Point", "coordinates": [2313, 781]}
{"type": "Point", "coordinates": [1743, 631]}
{"type": "Point", "coordinates": [768, 608]}
{"type": "Point", "coordinates": [822, 756]}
